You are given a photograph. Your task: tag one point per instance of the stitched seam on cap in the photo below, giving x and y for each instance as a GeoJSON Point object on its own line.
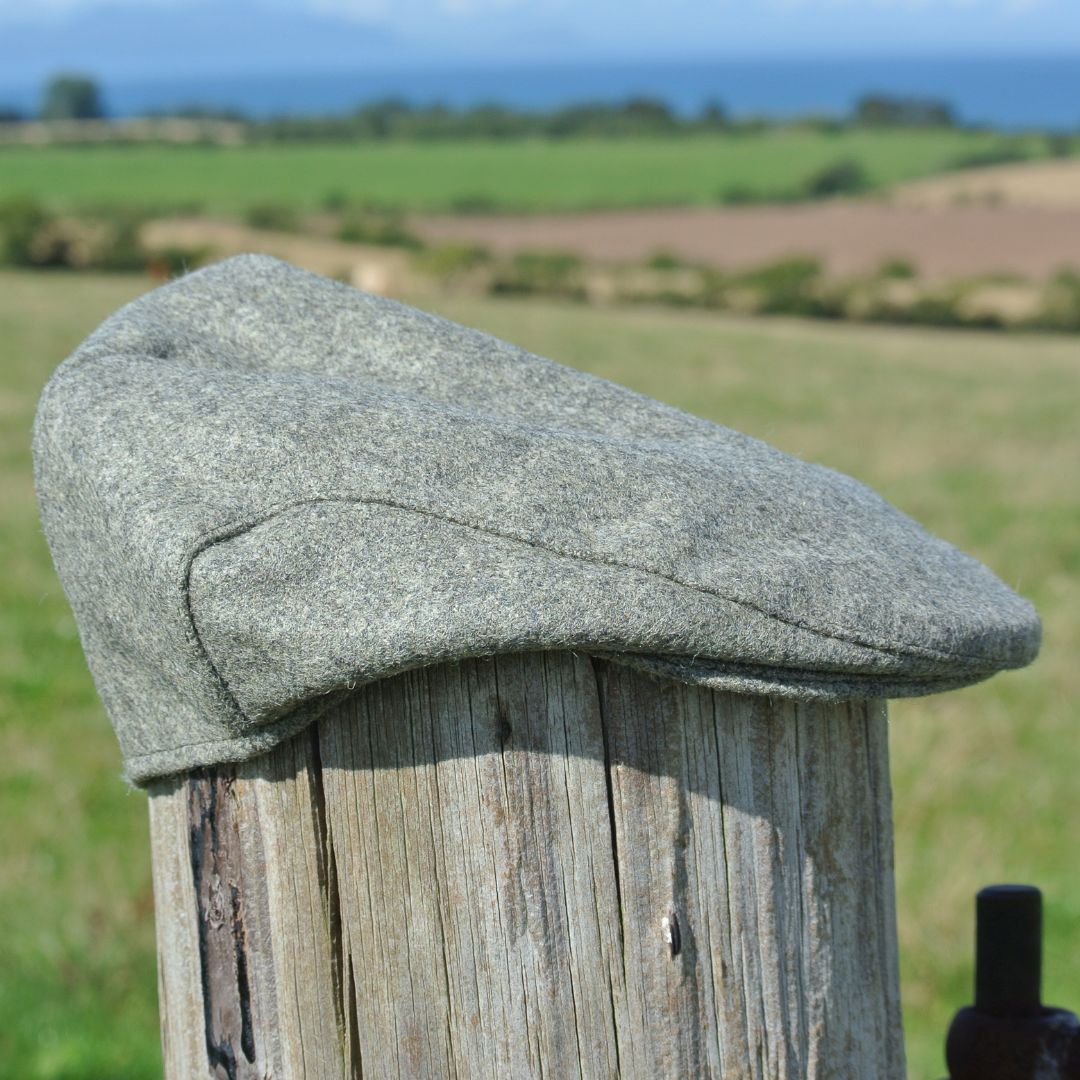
{"type": "Point", "coordinates": [240, 526]}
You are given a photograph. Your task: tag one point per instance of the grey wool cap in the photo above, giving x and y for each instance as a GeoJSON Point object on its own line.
{"type": "Point", "coordinates": [263, 488]}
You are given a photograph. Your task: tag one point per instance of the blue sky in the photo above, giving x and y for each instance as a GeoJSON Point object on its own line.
{"type": "Point", "coordinates": [138, 39]}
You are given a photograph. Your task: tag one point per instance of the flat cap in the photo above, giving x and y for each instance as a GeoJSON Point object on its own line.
{"type": "Point", "coordinates": [263, 488]}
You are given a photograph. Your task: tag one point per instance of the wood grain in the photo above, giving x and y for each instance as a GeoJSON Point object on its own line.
{"type": "Point", "coordinates": [538, 865]}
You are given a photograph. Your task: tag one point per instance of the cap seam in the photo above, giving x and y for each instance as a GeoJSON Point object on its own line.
{"type": "Point", "coordinates": [239, 526]}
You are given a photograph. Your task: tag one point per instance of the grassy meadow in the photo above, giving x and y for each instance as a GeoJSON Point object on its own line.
{"type": "Point", "coordinates": [974, 434]}
{"type": "Point", "coordinates": [527, 174]}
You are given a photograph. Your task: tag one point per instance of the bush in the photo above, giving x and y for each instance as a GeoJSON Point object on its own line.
{"type": "Point", "coordinates": [21, 219]}
{"type": "Point", "coordinates": [31, 236]}
{"type": "Point", "coordinates": [942, 310]}
{"type": "Point", "coordinates": [1061, 304]}
{"type": "Point", "coordinates": [787, 287]}
{"type": "Point", "coordinates": [896, 270]}
{"type": "Point", "coordinates": [476, 203]}
{"type": "Point", "coordinates": [664, 260]}
{"type": "Point", "coordinates": [379, 228]}
{"type": "Point", "coordinates": [450, 262]}
{"type": "Point", "coordinates": [543, 274]}
{"type": "Point", "coordinates": [336, 201]}
{"type": "Point", "coordinates": [101, 243]}
{"type": "Point", "coordinates": [714, 285]}
{"type": "Point", "coordinates": [664, 279]}
{"type": "Point", "coordinates": [846, 177]}
{"type": "Point", "coordinates": [274, 216]}
{"type": "Point", "coordinates": [119, 247]}
{"type": "Point", "coordinates": [737, 195]}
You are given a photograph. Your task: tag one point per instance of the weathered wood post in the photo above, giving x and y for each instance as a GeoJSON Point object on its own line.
{"type": "Point", "coordinates": [536, 865]}
{"type": "Point", "coordinates": [497, 722]}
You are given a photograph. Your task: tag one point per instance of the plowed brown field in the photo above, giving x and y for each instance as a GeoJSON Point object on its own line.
{"type": "Point", "coordinates": [848, 236]}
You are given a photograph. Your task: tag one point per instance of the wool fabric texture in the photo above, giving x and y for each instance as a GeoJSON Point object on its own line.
{"type": "Point", "coordinates": [263, 489]}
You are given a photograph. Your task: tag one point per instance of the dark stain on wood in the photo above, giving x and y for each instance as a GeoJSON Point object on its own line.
{"type": "Point", "coordinates": [504, 729]}
{"type": "Point", "coordinates": [223, 946]}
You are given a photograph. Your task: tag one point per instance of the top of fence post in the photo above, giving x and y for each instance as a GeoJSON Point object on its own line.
{"type": "Point", "coordinates": [263, 489]}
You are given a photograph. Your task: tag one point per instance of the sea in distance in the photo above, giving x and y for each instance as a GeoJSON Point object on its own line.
{"type": "Point", "coordinates": [1002, 92]}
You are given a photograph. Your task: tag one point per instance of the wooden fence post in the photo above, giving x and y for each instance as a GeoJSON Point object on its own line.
{"type": "Point", "coordinates": [536, 865]}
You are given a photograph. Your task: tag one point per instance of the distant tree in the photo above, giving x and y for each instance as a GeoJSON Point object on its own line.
{"type": "Point", "coordinates": [819, 123]}
{"type": "Point", "coordinates": [584, 118]}
{"type": "Point", "coordinates": [381, 119]}
{"type": "Point", "coordinates": [72, 97]}
{"type": "Point", "coordinates": [1057, 144]}
{"type": "Point", "coordinates": [880, 110]}
{"type": "Point", "coordinates": [874, 111]}
{"type": "Point", "coordinates": [195, 111]}
{"type": "Point", "coordinates": [635, 116]}
{"type": "Point", "coordinates": [483, 121]}
{"type": "Point", "coordinates": [648, 114]}
{"type": "Point", "coordinates": [10, 115]}
{"type": "Point", "coordinates": [714, 116]}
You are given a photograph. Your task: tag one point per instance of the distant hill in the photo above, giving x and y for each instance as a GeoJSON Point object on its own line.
{"type": "Point", "coordinates": [999, 62]}
{"type": "Point", "coordinates": [127, 41]}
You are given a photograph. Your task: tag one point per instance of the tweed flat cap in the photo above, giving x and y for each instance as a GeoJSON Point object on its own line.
{"type": "Point", "coordinates": [262, 488]}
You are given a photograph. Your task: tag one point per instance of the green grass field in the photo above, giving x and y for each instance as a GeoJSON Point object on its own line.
{"type": "Point", "coordinates": [974, 434]}
{"type": "Point", "coordinates": [515, 175]}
